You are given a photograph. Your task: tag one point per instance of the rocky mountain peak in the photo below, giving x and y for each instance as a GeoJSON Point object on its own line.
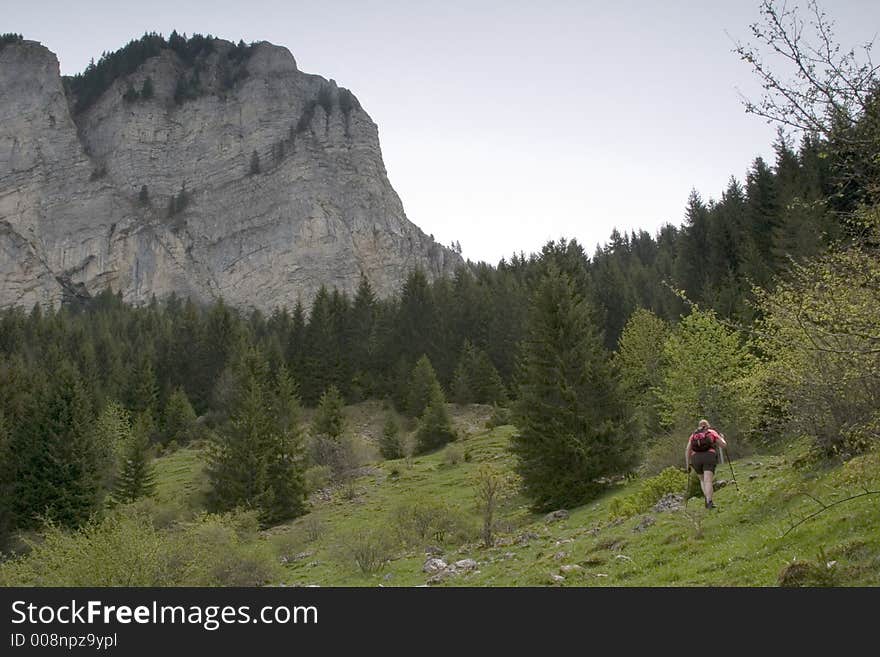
{"type": "Point", "coordinates": [200, 167]}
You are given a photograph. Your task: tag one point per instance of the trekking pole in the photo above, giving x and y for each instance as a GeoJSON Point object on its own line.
{"type": "Point", "coordinates": [687, 486]}
{"type": "Point", "coordinates": [732, 474]}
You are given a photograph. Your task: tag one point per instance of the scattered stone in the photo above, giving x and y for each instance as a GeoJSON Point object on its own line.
{"type": "Point", "coordinates": [439, 577]}
{"type": "Point", "coordinates": [464, 565]}
{"type": "Point", "coordinates": [623, 556]}
{"type": "Point", "coordinates": [644, 523]}
{"type": "Point", "coordinates": [753, 476]}
{"type": "Point", "coordinates": [618, 546]}
{"type": "Point", "coordinates": [526, 537]}
{"type": "Point", "coordinates": [559, 556]}
{"type": "Point", "coordinates": [433, 551]}
{"type": "Point", "coordinates": [669, 502]}
{"type": "Point", "coordinates": [388, 576]}
{"type": "Point", "coordinates": [563, 541]}
{"type": "Point", "coordinates": [312, 564]}
{"type": "Point", "coordinates": [434, 565]}
{"type": "Point", "coordinates": [557, 579]}
{"type": "Point", "coordinates": [719, 484]}
{"type": "Point", "coordinates": [509, 555]}
{"type": "Point", "coordinates": [616, 522]}
{"type": "Point", "coordinates": [302, 555]}
{"type": "Point", "coordinates": [556, 516]}
{"type": "Point", "coordinates": [570, 568]}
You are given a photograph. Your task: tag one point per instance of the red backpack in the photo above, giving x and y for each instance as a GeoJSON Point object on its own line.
{"type": "Point", "coordinates": [702, 441]}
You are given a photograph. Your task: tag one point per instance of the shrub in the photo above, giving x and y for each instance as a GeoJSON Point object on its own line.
{"type": "Point", "coordinates": [369, 549]}
{"type": "Point", "coordinates": [318, 477]}
{"type": "Point", "coordinates": [500, 417]}
{"type": "Point", "coordinates": [798, 573]}
{"type": "Point", "coordinates": [128, 549]}
{"type": "Point", "coordinates": [452, 455]}
{"type": "Point", "coordinates": [420, 520]}
{"type": "Point", "coordinates": [671, 480]}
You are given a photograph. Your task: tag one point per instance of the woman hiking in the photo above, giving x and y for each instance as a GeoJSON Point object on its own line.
{"type": "Point", "coordinates": [701, 455]}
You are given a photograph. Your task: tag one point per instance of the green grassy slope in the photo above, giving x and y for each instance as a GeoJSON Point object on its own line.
{"type": "Point", "coordinates": [740, 544]}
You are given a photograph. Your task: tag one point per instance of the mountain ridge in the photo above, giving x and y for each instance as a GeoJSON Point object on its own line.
{"type": "Point", "coordinates": [237, 176]}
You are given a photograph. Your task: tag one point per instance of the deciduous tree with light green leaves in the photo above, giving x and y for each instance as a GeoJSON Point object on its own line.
{"type": "Point", "coordinates": [820, 334]}
{"type": "Point", "coordinates": [707, 373]}
{"type": "Point", "coordinates": [639, 360]}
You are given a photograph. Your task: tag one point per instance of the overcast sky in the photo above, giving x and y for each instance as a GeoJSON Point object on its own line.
{"type": "Point", "coordinates": [503, 123]}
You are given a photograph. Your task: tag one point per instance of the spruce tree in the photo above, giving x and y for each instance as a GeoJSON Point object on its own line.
{"type": "Point", "coordinates": [423, 381]}
{"type": "Point", "coordinates": [238, 468]}
{"type": "Point", "coordinates": [136, 476]}
{"type": "Point", "coordinates": [389, 443]}
{"type": "Point", "coordinates": [59, 473]}
{"type": "Point", "coordinates": [569, 413]}
{"type": "Point", "coordinates": [179, 418]}
{"type": "Point", "coordinates": [329, 420]}
{"type": "Point", "coordinates": [435, 427]}
{"type": "Point", "coordinates": [112, 436]}
{"type": "Point", "coordinates": [286, 455]}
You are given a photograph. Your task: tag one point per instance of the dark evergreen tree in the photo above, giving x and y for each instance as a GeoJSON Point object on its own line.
{"type": "Point", "coordinates": [136, 476]}
{"type": "Point", "coordinates": [569, 413]}
{"type": "Point", "coordinates": [435, 427]}
{"type": "Point", "coordinates": [147, 88]}
{"type": "Point", "coordinates": [285, 454]}
{"type": "Point", "coordinates": [329, 420]}
{"type": "Point", "coordinates": [389, 443]}
{"type": "Point", "coordinates": [58, 471]}
{"type": "Point", "coordinates": [423, 383]}
{"type": "Point", "coordinates": [179, 418]}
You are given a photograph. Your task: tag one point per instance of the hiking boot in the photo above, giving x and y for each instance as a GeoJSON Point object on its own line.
{"type": "Point", "coordinates": [710, 505]}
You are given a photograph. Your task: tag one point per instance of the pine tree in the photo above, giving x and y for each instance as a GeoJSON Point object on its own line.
{"type": "Point", "coordinates": [112, 436]}
{"type": "Point", "coordinates": [569, 412]}
{"type": "Point", "coordinates": [142, 390]}
{"type": "Point", "coordinates": [329, 420]}
{"type": "Point", "coordinates": [285, 454]}
{"type": "Point", "coordinates": [179, 418]}
{"type": "Point", "coordinates": [59, 473]}
{"type": "Point", "coordinates": [435, 427]}
{"type": "Point", "coordinates": [238, 467]}
{"type": "Point", "coordinates": [318, 358]}
{"type": "Point", "coordinates": [476, 380]}
{"type": "Point", "coordinates": [423, 382]}
{"type": "Point", "coordinates": [147, 88]}
{"type": "Point", "coordinates": [389, 443]}
{"type": "Point", "coordinates": [136, 476]}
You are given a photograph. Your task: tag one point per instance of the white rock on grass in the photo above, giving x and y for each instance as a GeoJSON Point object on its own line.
{"type": "Point", "coordinates": [434, 565]}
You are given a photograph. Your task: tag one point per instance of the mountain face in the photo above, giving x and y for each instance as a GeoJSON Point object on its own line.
{"type": "Point", "coordinates": [258, 187]}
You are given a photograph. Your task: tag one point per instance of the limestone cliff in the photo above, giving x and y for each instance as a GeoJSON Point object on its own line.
{"type": "Point", "coordinates": [258, 189]}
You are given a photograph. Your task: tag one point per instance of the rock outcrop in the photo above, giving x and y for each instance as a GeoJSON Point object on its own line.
{"type": "Point", "coordinates": [258, 190]}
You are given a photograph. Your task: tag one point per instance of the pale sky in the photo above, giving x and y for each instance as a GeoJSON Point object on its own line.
{"type": "Point", "coordinates": [503, 123]}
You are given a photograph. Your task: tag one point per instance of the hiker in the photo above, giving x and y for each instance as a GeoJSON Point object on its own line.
{"type": "Point", "coordinates": [700, 454]}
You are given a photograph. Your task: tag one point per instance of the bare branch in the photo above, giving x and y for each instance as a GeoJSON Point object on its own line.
{"type": "Point", "coordinates": [828, 506]}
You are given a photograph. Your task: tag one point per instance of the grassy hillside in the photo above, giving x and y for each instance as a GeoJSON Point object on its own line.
{"type": "Point", "coordinates": [378, 533]}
